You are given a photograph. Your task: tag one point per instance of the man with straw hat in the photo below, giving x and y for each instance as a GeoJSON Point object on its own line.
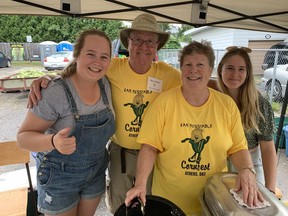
{"type": "Point", "coordinates": [135, 82]}
{"type": "Point", "coordinates": [147, 23]}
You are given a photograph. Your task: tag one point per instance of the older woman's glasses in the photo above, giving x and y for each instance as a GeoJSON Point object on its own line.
{"type": "Point", "coordinates": [139, 42]}
{"type": "Point", "coordinates": [233, 48]}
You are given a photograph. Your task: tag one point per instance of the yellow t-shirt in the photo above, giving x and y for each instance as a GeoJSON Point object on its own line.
{"type": "Point", "coordinates": [131, 97]}
{"type": "Point", "coordinates": [194, 143]}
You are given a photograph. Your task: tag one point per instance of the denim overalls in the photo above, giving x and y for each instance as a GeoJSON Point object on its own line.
{"type": "Point", "coordinates": [63, 179]}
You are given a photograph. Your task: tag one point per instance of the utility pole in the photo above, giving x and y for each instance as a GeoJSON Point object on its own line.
{"type": "Point", "coordinates": [29, 40]}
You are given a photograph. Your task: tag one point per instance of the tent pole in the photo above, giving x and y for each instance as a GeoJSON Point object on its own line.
{"type": "Point", "coordinates": [282, 116]}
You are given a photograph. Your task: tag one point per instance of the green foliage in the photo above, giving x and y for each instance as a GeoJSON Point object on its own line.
{"type": "Point", "coordinates": [28, 74]}
{"type": "Point", "coordinates": [62, 28]}
{"type": "Point", "coordinates": [173, 43]}
{"type": "Point", "coordinates": [177, 37]}
{"type": "Point", "coordinates": [164, 26]}
{"type": "Point", "coordinates": [276, 106]}
{"type": "Point", "coordinates": [184, 38]}
{"type": "Point", "coordinates": [52, 28]}
{"type": "Point", "coordinates": [27, 64]}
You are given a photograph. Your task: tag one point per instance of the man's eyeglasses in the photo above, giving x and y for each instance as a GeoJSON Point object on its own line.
{"type": "Point", "coordinates": [139, 42]}
{"type": "Point", "coordinates": [233, 48]}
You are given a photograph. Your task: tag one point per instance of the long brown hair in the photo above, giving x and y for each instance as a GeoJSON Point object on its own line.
{"type": "Point", "coordinates": [249, 95]}
{"type": "Point", "coordinates": [71, 68]}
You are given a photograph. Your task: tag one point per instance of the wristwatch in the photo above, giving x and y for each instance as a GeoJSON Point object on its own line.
{"type": "Point", "coordinates": [251, 169]}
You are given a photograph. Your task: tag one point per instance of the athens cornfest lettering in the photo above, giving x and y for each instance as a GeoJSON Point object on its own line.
{"type": "Point", "coordinates": [132, 129]}
{"type": "Point", "coordinates": [198, 167]}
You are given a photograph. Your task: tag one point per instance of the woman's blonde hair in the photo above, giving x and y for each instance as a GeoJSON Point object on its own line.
{"type": "Point", "coordinates": [249, 95]}
{"type": "Point", "coordinates": [71, 68]}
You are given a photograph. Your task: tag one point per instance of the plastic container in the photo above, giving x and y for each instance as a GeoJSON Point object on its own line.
{"type": "Point", "coordinates": [285, 129]}
{"type": "Point", "coordinates": [216, 199]}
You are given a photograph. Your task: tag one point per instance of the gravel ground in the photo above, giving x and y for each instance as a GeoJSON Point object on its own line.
{"type": "Point", "coordinates": [13, 110]}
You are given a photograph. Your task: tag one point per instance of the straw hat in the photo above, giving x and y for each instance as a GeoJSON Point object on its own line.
{"type": "Point", "coordinates": [144, 22]}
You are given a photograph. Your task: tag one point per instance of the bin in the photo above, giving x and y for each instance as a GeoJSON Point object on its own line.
{"type": "Point", "coordinates": [64, 46]}
{"type": "Point", "coordinates": [47, 48]}
{"type": "Point", "coordinates": [285, 129]}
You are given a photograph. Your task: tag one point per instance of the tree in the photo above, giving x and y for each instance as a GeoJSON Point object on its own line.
{"type": "Point", "coordinates": [52, 28]}
{"type": "Point", "coordinates": [184, 38]}
{"type": "Point", "coordinates": [176, 37]}
{"type": "Point", "coordinates": [62, 28]}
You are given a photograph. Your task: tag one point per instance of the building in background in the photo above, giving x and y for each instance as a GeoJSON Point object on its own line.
{"type": "Point", "coordinates": [221, 38]}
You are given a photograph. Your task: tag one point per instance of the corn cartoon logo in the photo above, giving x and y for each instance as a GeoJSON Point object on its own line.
{"type": "Point", "coordinates": [138, 107]}
{"type": "Point", "coordinates": [197, 142]}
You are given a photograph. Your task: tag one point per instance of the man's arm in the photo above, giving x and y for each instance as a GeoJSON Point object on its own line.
{"type": "Point", "coordinates": [35, 89]}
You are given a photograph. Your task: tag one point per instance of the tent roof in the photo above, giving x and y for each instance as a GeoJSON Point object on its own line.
{"type": "Point", "coordinates": [262, 15]}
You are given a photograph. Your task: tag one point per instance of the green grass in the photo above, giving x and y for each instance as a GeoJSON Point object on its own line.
{"type": "Point", "coordinates": [276, 107]}
{"type": "Point", "coordinates": [26, 63]}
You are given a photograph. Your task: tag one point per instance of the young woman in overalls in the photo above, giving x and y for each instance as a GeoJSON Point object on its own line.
{"type": "Point", "coordinates": [69, 130]}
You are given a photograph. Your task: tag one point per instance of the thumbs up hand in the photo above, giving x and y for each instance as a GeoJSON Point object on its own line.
{"type": "Point", "coordinates": [63, 143]}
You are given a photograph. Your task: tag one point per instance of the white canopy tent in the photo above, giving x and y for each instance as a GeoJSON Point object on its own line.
{"type": "Point", "coordinates": [262, 15]}
{"type": "Point", "coordinates": [259, 15]}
